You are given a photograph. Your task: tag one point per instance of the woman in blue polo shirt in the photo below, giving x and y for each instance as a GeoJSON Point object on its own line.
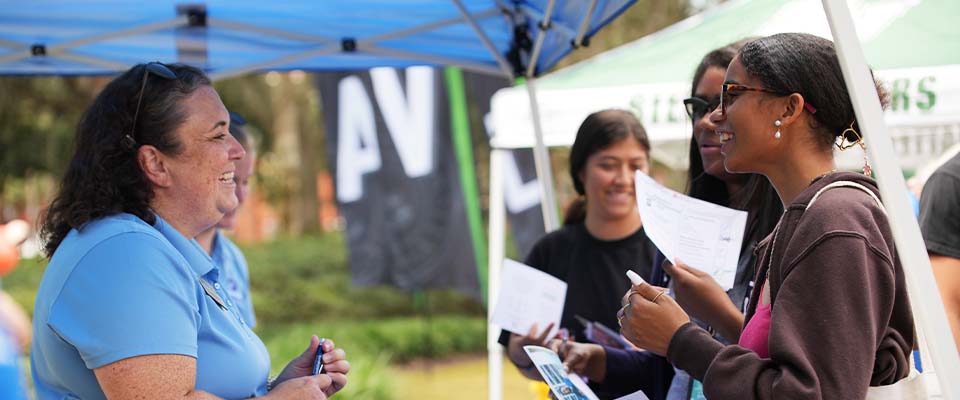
{"type": "Point", "coordinates": [232, 263]}
{"type": "Point", "coordinates": [129, 306]}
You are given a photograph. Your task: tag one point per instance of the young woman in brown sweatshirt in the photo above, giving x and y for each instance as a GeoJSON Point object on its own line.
{"type": "Point", "coordinates": [832, 316]}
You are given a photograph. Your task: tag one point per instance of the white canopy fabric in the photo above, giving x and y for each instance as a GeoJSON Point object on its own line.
{"type": "Point", "coordinates": [910, 45]}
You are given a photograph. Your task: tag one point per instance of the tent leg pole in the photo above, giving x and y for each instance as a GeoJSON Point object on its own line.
{"type": "Point", "coordinates": [925, 300]}
{"type": "Point", "coordinates": [495, 251]}
{"type": "Point", "coordinates": [542, 160]}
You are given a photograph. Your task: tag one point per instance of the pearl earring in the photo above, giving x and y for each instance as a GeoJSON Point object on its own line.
{"type": "Point", "coordinates": [777, 124]}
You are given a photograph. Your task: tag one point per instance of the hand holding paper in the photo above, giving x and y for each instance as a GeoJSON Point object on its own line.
{"type": "Point", "coordinates": [564, 385]}
{"type": "Point", "coordinates": [706, 236]}
{"type": "Point", "coordinates": [528, 296]}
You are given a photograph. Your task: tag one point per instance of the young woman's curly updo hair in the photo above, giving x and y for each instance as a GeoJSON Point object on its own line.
{"type": "Point", "coordinates": [599, 131]}
{"type": "Point", "coordinates": [104, 176]}
{"type": "Point", "coordinates": [806, 64]}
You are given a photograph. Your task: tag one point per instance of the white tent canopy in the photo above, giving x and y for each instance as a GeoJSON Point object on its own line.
{"type": "Point", "coordinates": [909, 43]}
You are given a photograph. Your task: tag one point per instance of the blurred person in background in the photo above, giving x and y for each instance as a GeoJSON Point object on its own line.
{"type": "Point", "coordinates": [940, 225]}
{"type": "Point", "coordinates": [233, 265]}
{"type": "Point", "coordinates": [601, 239]}
{"type": "Point", "coordinates": [14, 322]}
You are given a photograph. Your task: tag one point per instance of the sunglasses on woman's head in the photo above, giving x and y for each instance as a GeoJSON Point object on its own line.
{"type": "Point", "coordinates": [697, 108]}
{"type": "Point", "coordinates": [730, 90]}
{"type": "Point", "coordinates": [154, 68]}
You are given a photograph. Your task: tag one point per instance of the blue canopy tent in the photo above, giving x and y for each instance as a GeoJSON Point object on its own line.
{"type": "Point", "coordinates": [226, 38]}
{"type": "Point", "coordinates": [511, 38]}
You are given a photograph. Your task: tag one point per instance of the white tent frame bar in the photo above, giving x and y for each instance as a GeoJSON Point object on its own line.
{"type": "Point", "coordinates": [335, 46]}
{"type": "Point", "coordinates": [502, 62]}
{"type": "Point", "coordinates": [10, 44]}
{"type": "Point", "coordinates": [470, 66]}
{"type": "Point", "coordinates": [320, 51]}
{"type": "Point", "coordinates": [538, 45]}
{"type": "Point", "coordinates": [541, 156]}
{"type": "Point", "coordinates": [926, 303]}
{"type": "Point", "coordinates": [238, 26]}
{"type": "Point", "coordinates": [497, 215]}
{"type": "Point", "coordinates": [64, 47]}
{"type": "Point", "coordinates": [89, 60]}
{"type": "Point", "coordinates": [536, 15]}
{"type": "Point", "coordinates": [584, 24]}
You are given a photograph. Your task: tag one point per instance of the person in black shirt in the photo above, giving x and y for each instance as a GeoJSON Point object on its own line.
{"type": "Point", "coordinates": [940, 225]}
{"type": "Point", "coordinates": [602, 236]}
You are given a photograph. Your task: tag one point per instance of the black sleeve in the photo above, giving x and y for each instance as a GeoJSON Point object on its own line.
{"type": "Point", "coordinates": [940, 214]}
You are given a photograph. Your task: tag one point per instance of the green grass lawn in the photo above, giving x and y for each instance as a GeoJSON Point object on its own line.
{"type": "Point", "coordinates": [463, 377]}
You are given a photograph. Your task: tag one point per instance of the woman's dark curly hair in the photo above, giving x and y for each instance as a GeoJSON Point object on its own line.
{"type": "Point", "coordinates": [104, 176]}
{"type": "Point", "coordinates": [807, 64]}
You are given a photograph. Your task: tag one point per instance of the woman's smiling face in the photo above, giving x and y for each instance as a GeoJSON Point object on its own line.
{"type": "Point", "coordinates": [608, 179]}
{"type": "Point", "coordinates": [203, 172]}
{"type": "Point", "coordinates": [746, 125]}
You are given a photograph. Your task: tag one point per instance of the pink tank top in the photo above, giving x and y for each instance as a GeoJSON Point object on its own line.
{"type": "Point", "coordinates": [756, 335]}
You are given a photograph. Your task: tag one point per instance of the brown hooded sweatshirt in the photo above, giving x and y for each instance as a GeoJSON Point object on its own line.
{"type": "Point", "coordinates": [840, 317]}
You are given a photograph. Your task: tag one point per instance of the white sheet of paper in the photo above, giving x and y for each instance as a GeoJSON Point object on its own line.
{"type": "Point", "coordinates": [701, 234]}
{"type": "Point", "coordinates": [528, 296]}
{"type": "Point", "coordinates": [638, 395]}
{"type": "Point", "coordinates": [563, 385]}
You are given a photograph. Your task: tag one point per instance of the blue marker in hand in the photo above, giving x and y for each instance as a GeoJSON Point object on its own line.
{"type": "Point", "coordinates": [318, 361]}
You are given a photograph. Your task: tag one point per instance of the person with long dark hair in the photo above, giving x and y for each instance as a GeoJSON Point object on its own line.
{"type": "Point", "coordinates": [602, 236]}
{"type": "Point", "coordinates": [129, 305]}
{"type": "Point", "coordinates": [830, 316]}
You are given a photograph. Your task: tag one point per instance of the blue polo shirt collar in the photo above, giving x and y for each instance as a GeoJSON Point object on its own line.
{"type": "Point", "coordinates": [199, 261]}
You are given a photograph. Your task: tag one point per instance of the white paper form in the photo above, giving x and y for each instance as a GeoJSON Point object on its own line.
{"type": "Point", "coordinates": [638, 395]}
{"type": "Point", "coordinates": [565, 386]}
{"type": "Point", "coordinates": [528, 296]}
{"type": "Point", "coordinates": [703, 235]}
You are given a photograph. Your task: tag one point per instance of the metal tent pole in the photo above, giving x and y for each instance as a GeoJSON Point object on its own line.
{"type": "Point", "coordinates": [495, 251]}
{"type": "Point", "coordinates": [541, 156]}
{"type": "Point", "coordinates": [551, 219]}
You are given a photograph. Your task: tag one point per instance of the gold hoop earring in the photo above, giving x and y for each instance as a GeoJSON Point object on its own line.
{"type": "Point", "coordinates": [842, 140]}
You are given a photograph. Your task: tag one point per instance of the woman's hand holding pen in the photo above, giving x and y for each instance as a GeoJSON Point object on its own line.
{"type": "Point", "coordinates": [649, 319]}
{"type": "Point", "coordinates": [300, 370]}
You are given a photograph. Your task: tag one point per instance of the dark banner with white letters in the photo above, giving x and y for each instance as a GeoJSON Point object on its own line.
{"type": "Point", "coordinates": [521, 189]}
{"type": "Point", "coordinates": [397, 179]}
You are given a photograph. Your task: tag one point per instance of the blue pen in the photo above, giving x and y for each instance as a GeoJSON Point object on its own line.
{"type": "Point", "coordinates": [318, 361]}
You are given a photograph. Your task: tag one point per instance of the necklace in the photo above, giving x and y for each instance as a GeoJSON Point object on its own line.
{"type": "Point", "coordinates": [823, 175]}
